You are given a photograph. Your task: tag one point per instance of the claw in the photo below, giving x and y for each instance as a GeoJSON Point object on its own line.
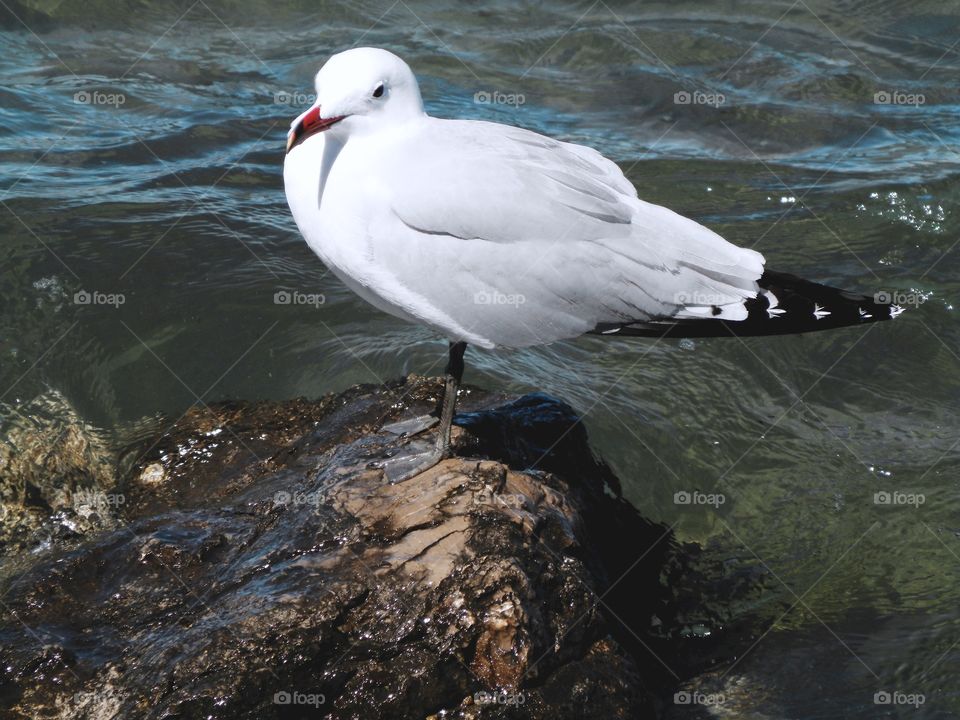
{"type": "Point", "coordinates": [409, 466]}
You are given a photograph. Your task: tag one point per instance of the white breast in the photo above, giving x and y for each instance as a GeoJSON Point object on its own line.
{"type": "Point", "coordinates": [333, 202]}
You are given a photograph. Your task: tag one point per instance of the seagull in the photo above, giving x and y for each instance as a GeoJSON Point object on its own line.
{"type": "Point", "coordinates": [497, 236]}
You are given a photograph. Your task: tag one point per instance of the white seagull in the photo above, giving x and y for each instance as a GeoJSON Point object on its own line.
{"type": "Point", "coordinates": [501, 237]}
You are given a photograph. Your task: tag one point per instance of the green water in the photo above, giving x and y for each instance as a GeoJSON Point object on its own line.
{"type": "Point", "coordinates": [141, 149]}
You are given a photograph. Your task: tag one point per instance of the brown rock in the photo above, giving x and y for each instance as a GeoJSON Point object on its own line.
{"type": "Point", "coordinates": [269, 571]}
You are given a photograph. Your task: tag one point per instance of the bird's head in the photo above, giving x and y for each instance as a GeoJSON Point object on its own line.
{"type": "Point", "coordinates": [359, 90]}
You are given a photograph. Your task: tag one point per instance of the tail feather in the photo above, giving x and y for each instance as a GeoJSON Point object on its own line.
{"type": "Point", "coordinates": [785, 305]}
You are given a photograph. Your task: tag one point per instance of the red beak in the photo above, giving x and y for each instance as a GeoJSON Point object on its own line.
{"type": "Point", "coordinates": [310, 124]}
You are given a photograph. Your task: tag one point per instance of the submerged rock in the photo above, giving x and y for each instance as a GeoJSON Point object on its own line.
{"type": "Point", "coordinates": [55, 473]}
{"type": "Point", "coordinates": [262, 567]}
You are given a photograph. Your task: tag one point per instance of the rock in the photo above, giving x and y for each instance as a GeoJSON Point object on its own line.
{"type": "Point", "coordinates": [261, 567]}
{"type": "Point", "coordinates": [55, 470]}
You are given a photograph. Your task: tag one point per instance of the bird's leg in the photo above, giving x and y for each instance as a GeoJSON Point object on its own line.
{"type": "Point", "coordinates": [454, 374]}
{"type": "Point", "coordinates": [398, 471]}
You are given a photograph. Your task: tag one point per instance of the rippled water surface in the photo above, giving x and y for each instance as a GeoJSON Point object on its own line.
{"type": "Point", "coordinates": [140, 160]}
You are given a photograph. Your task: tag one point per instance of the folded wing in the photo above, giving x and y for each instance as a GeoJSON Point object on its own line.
{"type": "Point", "coordinates": [514, 214]}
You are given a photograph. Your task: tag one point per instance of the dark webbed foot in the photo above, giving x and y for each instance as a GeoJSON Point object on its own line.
{"type": "Point", "coordinates": [405, 467]}
{"type": "Point", "coordinates": [412, 426]}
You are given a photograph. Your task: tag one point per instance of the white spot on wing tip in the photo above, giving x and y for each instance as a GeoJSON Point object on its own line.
{"type": "Point", "coordinates": [819, 313]}
{"type": "Point", "coordinates": [772, 302]}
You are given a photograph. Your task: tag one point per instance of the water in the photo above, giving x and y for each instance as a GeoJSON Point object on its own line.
{"type": "Point", "coordinates": [141, 151]}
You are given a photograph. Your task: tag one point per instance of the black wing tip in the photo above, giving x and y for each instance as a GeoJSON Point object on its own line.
{"type": "Point", "coordinates": [786, 305]}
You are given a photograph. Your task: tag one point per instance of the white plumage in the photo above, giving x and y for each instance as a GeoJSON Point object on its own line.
{"type": "Point", "coordinates": [487, 233]}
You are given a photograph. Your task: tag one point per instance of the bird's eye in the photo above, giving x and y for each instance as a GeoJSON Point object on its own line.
{"type": "Point", "coordinates": [378, 90]}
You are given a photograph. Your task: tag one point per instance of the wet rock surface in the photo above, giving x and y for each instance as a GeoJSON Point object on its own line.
{"type": "Point", "coordinates": [261, 567]}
